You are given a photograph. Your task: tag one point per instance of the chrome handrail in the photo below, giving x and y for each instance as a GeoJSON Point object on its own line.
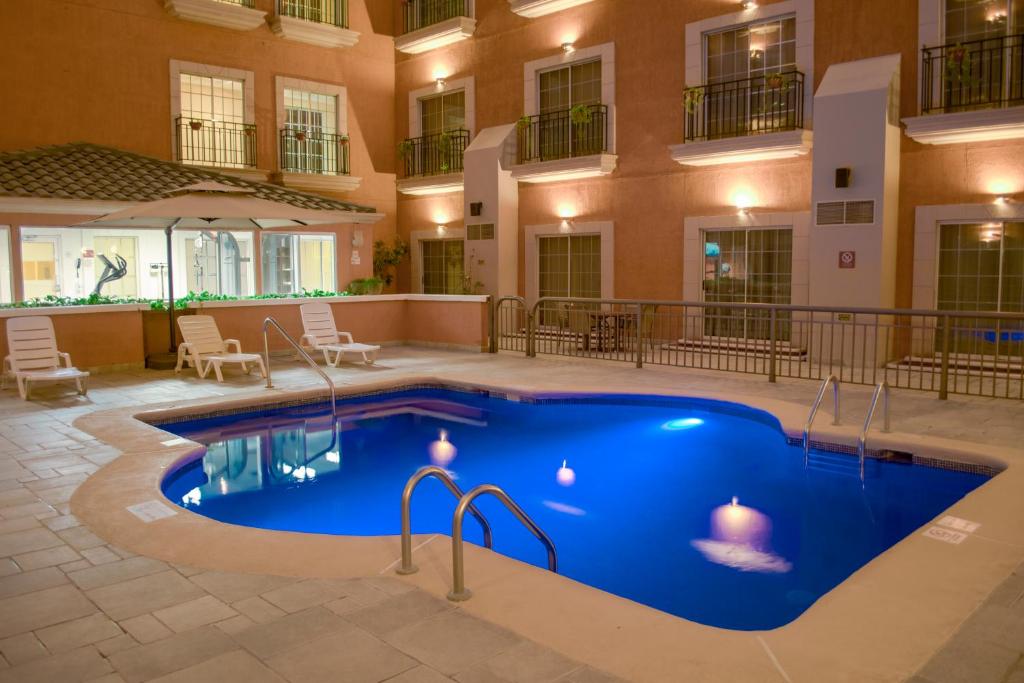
{"type": "Point", "coordinates": [407, 567]}
{"type": "Point", "coordinates": [459, 591]}
{"type": "Point", "coordinates": [834, 381]}
{"type": "Point", "coordinates": [862, 441]}
{"type": "Point", "coordinates": [270, 322]}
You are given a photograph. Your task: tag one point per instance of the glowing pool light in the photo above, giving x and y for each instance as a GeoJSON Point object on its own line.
{"type": "Point", "coordinates": [333, 457]}
{"type": "Point", "coordinates": [303, 473]}
{"type": "Point", "coordinates": [193, 497]}
{"type": "Point", "coordinates": [442, 451]}
{"type": "Point", "coordinates": [682, 423]}
{"type": "Point", "coordinates": [566, 476]}
{"type": "Point", "coordinates": [741, 539]}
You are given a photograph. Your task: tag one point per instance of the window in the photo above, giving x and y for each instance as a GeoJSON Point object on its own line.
{"type": "Point", "coordinates": [211, 129]}
{"type": "Point", "coordinates": [310, 140]}
{"type": "Point", "coordinates": [747, 266]}
{"type": "Point", "coordinates": [76, 262]}
{"type": "Point", "coordinates": [444, 112]}
{"type": "Point", "coordinates": [564, 88]}
{"type": "Point", "coordinates": [750, 51]}
{"type": "Point", "coordinates": [296, 263]}
{"type": "Point", "coordinates": [442, 266]}
{"type": "Point", "coordinates": [570, 265]}
{"type": "Point", "coordinates": [321, 11]}
{"type": "Point", "coordinates": [6, 294]}
{"type": "Point", "coordinates": [572, 121]}
{"type": "Point", "coordinates": [967, 20]}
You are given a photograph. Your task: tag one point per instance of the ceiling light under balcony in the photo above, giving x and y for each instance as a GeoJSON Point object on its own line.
{"type": "Point", "coordinates": [442, 230]}
{"type": "Point", "coordinates": [748, 4]}
{"type": "Point", "coordinates": [568, 48]}
{"type": "Point", "coordinates": [440, 83]}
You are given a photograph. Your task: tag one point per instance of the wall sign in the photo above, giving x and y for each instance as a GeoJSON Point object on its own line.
{"type": "Point", "coordinates": [847, 259]}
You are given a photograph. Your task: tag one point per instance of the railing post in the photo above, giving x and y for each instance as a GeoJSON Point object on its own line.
{"type": "Point", "coordinates": [531, 335]}
{"type": "Point", "coordinates": [944, 376]}
{"type": "Point", "coordinates": [639, 335]}
{"type": "Point", "coordinates": [772, 345]}
{"type": "Point", "coordinates": [492, 324]}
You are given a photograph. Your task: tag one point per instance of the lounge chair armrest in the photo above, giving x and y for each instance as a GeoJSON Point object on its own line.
{"type": "Point", "coordinates": [346, 335]}
{"type": "Point", "coordinates": [308, 340]}
{"type": "Point", "coordinates": [228, 343]}
{"type": "Point", "coordinates": [66, 357]}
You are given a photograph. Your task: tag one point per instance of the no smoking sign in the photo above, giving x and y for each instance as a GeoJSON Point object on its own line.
{"type": "Point", "coordinates": [847, 259]}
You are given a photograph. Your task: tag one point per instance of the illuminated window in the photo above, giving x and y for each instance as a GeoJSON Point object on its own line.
{"type": "Point", "coordinates": [570, 266]}
{"type": "Point", "coordinates": [6, 293]}
{"type": "Point", "coordinates": [442, 266]}
{"type": "Point", "coordinates": [211, 130]}
{"type": "Point", "coordinates": [294, 263]}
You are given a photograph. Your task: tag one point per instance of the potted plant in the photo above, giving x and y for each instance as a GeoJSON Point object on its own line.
{"type": "Point", "coordinates": [444, 149]}
{"type": "Point", "coordinates": [405, 149]}
{"type": "Point", "coordinates": [300, 135]}
{"type": "Point", "coordinates": [524, 122]}
{"type": "Point", "coordinates": [195, 125]}
{"type": "Point", "coordinates": [581, 116]}
{"type": "Point", "coordinates": [693, 98]}
{"type": "Point", "coordinates": [958, 65]}
{"type": "Point", "coordinates": [778, 80]}
{"type": "Point", "coordinates": [373, 285]}
{"type": "Point", "coordinates": [386, 258]}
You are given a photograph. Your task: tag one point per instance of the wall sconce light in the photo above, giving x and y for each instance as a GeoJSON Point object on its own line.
{"type": "Point", "coordinates": [568, 48]}
{"type": "Point", "coordinates": [1003, 199]}
{"type": "Point", "coordinates": [442, 229]}
{"type": "Point", "coordinates": [357, 238]}
{"type": "Point", "coordinates": [566, 225]}
{"type": "Point", "coordinates": [440, 83]}
{"type": "Point", "coordinates": [748, 4]}
{"type": "Point", "coordinates": [743, 202]}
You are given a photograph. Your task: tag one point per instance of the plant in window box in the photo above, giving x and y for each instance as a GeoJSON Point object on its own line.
{"type": "Point", "coordinates": [300, 135]}
{"type": "Point", "coordinates": [195, 125]}
{"type": "Point", "coordinates": [405, 149]}
{"type": "Point", "coordinates": [693, 98]}
{"type": "Point", "coordinates": [958, 65]}
{"type": "Point", "coordinates": [581, 116]}
{"type": "Point", "coordinates": [444, 149]}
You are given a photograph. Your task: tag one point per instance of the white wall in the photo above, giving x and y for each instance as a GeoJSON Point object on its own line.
{"type": "Point", "coordinates": [6, 293]}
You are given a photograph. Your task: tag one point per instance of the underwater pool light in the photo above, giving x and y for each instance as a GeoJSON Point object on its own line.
{"type": "Point", "coordinates": [682, 423]}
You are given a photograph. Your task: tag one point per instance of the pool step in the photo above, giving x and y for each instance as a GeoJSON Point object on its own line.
{"type": "Point", "coordinates": [842, 464]}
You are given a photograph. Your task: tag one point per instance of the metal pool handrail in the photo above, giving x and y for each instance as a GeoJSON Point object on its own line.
{"type": "Point", "coordinates": [459, 591]}
{"type": "Point", "coordinates": [407, 567]}
{"type": "Point", "coordinates": [862, 441]}
{"type": "Point", "coordinates": [270, 322]}
{"type": "Point", "coordinates": [831, 379]}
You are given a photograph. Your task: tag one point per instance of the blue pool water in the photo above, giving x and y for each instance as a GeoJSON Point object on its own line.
{"type": "Point", "coordinates": [698, 508]}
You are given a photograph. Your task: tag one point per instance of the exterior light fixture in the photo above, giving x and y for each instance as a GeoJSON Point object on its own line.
{"type": "Point", "coordinates": [748, 4]}
{"type": "Point", "coordinates": [442, 229]}
{"type": "Point", "coordinates": [565, 225]}
{"type": "Point", "coordinates": [1003, 199]}
{"type": "Point", "coordinates": [440, 83]}
{"type": "Point", "coordinates": [568, 48]}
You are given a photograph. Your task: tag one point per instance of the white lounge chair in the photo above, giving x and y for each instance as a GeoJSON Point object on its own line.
{"type": "Point", "coordinates": [321, 334]}
{"type": "Point", "coordinates": [204, 348]}
{"type": "Point", "coordinates": [33, 356]}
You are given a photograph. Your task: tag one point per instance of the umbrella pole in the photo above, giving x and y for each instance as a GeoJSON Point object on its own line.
{"type": "Point", "coordinates": [170, 287]}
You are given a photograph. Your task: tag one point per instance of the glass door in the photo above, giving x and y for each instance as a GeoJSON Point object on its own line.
{"type": "Point", "coordinates": [40, 266]}
{"type": "Point", "coordinates": [113, 247]}
{"type": "Point", "coordinates": [443, 266]}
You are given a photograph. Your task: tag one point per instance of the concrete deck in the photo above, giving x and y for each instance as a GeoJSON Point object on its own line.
{"type": "Point", "coordinates": [79, 602]}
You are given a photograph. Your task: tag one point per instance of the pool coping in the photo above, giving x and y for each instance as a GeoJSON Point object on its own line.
{"type": "Point", "coordinates": [881, 624]}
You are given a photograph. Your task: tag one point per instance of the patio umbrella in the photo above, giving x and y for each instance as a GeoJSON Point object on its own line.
{"type": "Point", "coordinates": [212, 206]}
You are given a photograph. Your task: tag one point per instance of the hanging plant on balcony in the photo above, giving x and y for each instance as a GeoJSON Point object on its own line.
{"type": "Point", "coordinates": [444, 148]}
{"type": "Point", "coordinates": [300, 135]}
{"type": "Point", "coordinates": [693, 98]}
{"type": "Point", "coordinates": [524, 122]}
{"type": "Point", "coordinates": [343, 140]}
{"type": "Point", "coordinates": [581, 116]}
{"type": "Point", "coordinates": [195, 125]}
{"type": "Point", "coordinates": [958, 65]}
{"type": "Point", "coordinates": [405, 149]}
{"type": "Point", "coordinates": [778, 81]}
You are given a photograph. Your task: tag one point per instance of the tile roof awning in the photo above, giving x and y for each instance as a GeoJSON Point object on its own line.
{"type": "Point", "coordinates": [88, 172]}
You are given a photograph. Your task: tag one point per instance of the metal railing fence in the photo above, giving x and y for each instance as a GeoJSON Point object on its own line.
{"type": "Point", "coordinates": [950, 352]}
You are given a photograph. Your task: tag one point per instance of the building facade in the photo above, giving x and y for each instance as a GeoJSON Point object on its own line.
{"type": "Point", "coordinates": [793, 152]}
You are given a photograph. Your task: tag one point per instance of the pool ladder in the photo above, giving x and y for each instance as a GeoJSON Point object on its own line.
{"type": "Point", "coordinates": [459, 591]}
{"type": "Point", "coordinates": [881, 390]}
{"type": "Point", "coordinates": [271, 322]}
{"type": "Point", "coordinates": [834, 381]}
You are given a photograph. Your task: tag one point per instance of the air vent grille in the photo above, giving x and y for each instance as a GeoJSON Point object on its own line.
{"type": "Point", "coordinates": [846, 213]}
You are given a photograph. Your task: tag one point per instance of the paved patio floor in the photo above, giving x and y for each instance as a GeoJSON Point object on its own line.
{"type": "Point", "coordinates": [75, 608]}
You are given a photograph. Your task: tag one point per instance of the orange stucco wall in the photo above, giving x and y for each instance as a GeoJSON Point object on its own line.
{"type": "Point", "coordinates": [648, 196]}
{"type": "Point", "coordinates": [96, 340]}
{"type": "Point", "coordinates": [98, 71]}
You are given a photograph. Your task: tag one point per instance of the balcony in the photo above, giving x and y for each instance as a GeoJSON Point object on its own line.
{"type": "Point", "coordinates": [225, 146]}
{"type": "Point", "coordinates": [539, 8]}
{"type": "Point", "coordinates": [316, 161]}
{"type": "Point", "coordinates": [433, 163]}
{"type": "Point", "coordinates": [568, 144]}
{"type": "Point", "coordinates": [430, 24]}
{"type": "Point", "coordinates": [749, 119]}
{"type": "Point", "coordinates": [316, 22]}
{"type": "Point", "coordinates": [235, 14]}
{"type": "Point", "coordinates": [971, 92]}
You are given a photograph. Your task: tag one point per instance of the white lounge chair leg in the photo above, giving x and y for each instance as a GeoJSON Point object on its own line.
{"type": "Point", "coordinates": [181, 359]}
{"type": "Point", "coordinates": [23, 388]}
{"type": "Point", "coordinates": [82, 391]}
{"type": "Point", "coordinates": [245, 367]}
{"type": "Point", "coordinates": [216, 370]}
{"type": "Point", "coordinates": [370, 357]}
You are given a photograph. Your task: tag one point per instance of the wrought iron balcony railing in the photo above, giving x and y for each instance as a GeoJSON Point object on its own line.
{"type": "Point", "coordinates": [749, 106]}
{"type": "Point", "coordinates": [577, 132]}
{"type": "Point", "coordinates": [251, 4]}
{"type": "Point", "coordinates": [311, 151]}
{"type": "Point", "coordinates": [978, 74]}
{"type": "Point", "coordinates": [421, 13]}
{"type": "Point", "coordinates": [203, 142]}
{"type": "Point", "coordinates": [334, 12]}
{"type": "Point", "coordinates": [434, 154]}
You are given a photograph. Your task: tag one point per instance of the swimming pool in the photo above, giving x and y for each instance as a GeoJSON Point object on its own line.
{"type": "Point", "coordinates": [698, 508]}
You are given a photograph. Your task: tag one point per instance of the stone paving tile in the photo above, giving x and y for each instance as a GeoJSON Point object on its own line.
{"type": "Point", "coordinates": [43, 608]}
{"type": "Point", "coordinates": [74, 634]}
{"type": "Point", "coordinates": [75, 566]}
{"type": "Point", "coordinates": [62, 522]}
{"type": "Point", "coordinates": [80, 538]}
{"type": "Point", "coordinates": [970, 660]}
{"type": "Point", "coordinates": [37, 559]}
{"type": "Point", "coordinates": [116, 572]}
{"type": "Point", "coordinates": [523, 663]}
{"type": "Point", "coordinates": [231, 587]}
{"type": "Point", "coordinates": [452, 642]}
{"type": "Point", "coordinates": [171, 654]}
{"type": "Point", "coordinates": [235, 624]}
{"type": "Point", "coordinates": [145, 628]}
{"type": "Point", "coordinates": [258, 609]}
{"type": "Point", "coordinates": [349, 655]}
{"type": "Point", "coordinates": [8, 567]}
{"type": "Point", "coordinates": [397, 612]}
{"type": "Point", "coordinates": [22, 648]}
{"type": "Point", "coordinates": [84, 664]}
{"type": "Point", "coordinates": [233, 667]}
{"type": "Point", "coordinates": [589, 675]}
{"type": "Point", "coordinates": [421, 674]}
{"type": "Point", "coordinates": [100, 555]}
{"type": "Point", "coordinates": [194, 613]}
{"type": "Point", "coordinates": [116, 644]}
{"type": "Point", "coordinates": [289, 632]}
{"type": "Point", "coordinates": [20, 542]}
{"type": "Point", "coordinates": [304, 594]}
{"type": "Point", "coordinates": [144, 594]}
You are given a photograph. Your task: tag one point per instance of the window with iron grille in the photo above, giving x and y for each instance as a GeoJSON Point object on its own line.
{"type": "Point", "coordinates": [443, 112]}
{"type": "Point", "coordinates": [747, 267]}
{"type": "Point", "coordinates": [211, 129]}
{"type": "Point", "coordinates": [310, 140]}
{"type": "Point", "coordinates": [443, 266]}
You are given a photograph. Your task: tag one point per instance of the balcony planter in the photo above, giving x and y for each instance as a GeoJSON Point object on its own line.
{"type": "Point", "coordinates": [195, 125]}
{"type": "Point", "coordinates": [692, 99]}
